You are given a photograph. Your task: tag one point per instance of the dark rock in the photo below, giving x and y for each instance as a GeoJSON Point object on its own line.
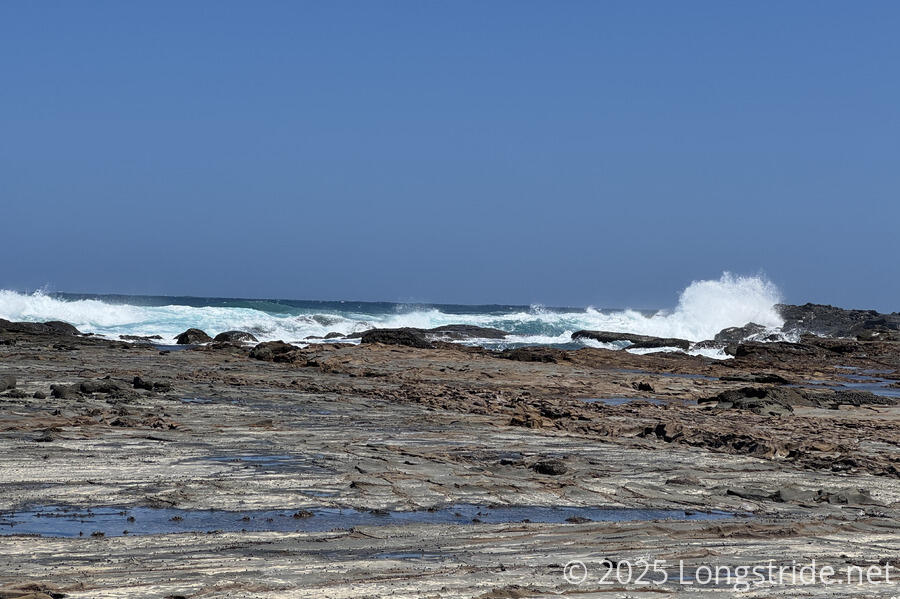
{"type": "Point", "coordinates": [738, 334]}
{"type": "Point", "coordinates": [708, 344]}
{"type": "Point", "coordinates": [637, 341]}
{"type": "Point", "coordinates": [235, 337]}
{"type": "Point", "coordinates": [192, 337]}
{"type": "Point", "coordinates": [668, 431]}
{"type": "Point", "coordinates": [780, 401]}
{"type": "Point", "coordinates": [777, 351]}
{"type": "Point", "coordinates": [61, 328]}
{"type": "Point", "coordinates": [527, 418]}
{"type": "Point", "coordinates": [466, 331]}
{"type": "Point", "coordinates": [39, 395]}
{"type": "Point", "coordinates": [16, 394]}
{"type": "Point", "coordinates": [162, 387]}
{"type": "Point", "coordinates": [273, 351]}
{"type": "Point", "coordinates": [302, 514]}
{"type": "Point", "coordinates": [146, 338]}
{"type": "Point", "coordinates": [139, 383]}
{"type": "Point", "coordinates": [643, 386]}
{"type": "Point", "coordinates": [765, 401]}
{"type": "Point", "coordinates": [53, 327]}
{"type": "Point", "coordinates": [64, 391]}
{"type": "Point", "coordinates": [334, 335]}
{"type": "Point", "coordinates": [551, 467]}
{"type": "Point", "coordinates": [408, 337]}
{"type": "Point", "coordinates": [7, 381]}
{"type": "Point", "coordinates": [534, 354]}
{"type": "Point", "coordinates": [878, 336]}
{"type": "Point", "coordinates": [834, 398]}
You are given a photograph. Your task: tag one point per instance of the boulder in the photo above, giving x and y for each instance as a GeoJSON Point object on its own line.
{"type": "Point", "coordinates": [192, 337]}
{"type": "Point", "coordinates": [334, 335]}
{"type": "Point", "coordinates": [636, 341]}
{"type": "Point", "coordinates": [64, 391]}
{"type": "Point", "coordinates": [273, 351]}
{"type": "Point", "coordinates": [407, 337]}
{"type": "Point", "coordinates": [235, 337]}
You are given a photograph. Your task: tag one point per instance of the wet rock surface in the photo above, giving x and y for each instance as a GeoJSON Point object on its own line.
{"type": "Point", "coordinates": [374, 430]}
{"type": "Point", "coordinates": [636, 341]}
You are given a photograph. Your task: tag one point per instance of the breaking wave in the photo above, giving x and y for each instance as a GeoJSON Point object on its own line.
{"type": "Point", "coordinates": [703, 309]}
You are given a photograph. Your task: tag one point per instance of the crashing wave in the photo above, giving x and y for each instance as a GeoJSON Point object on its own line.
{"type": "Point", "coordinates": [703, 309]}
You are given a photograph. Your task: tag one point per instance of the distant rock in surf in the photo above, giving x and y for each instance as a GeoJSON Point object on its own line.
{"type": "Point", "coordinates": [637, 341]}
{"type": "Point", "coordinates": [423, 338]}
{"type": "Point", "coordinates": [192, 337]}
{"type": "Point", "coordinates": [235, 337]}
{"type": "Point", "coordinates": [407, 337]}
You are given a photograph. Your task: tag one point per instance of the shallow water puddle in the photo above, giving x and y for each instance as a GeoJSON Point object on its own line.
{"type": "Point", "coordinates": [872, 384]}
{"type": "Point", "coordinates": [60, 521]}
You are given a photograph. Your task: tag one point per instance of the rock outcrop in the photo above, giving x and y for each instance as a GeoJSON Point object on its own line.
{"type": "Point", "coordinates": [408, 337]}
{"type": "Point", "coordinates": [424, 338]}
{"type": "Point", "coordinates": [831, 321]}
{"type": "Point", "coordinates": [636, 341]}
{"type": "Point", "coordinates": [52, 327]}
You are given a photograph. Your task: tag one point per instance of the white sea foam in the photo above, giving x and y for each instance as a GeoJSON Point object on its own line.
{"type": "Point", "coordinates": [703, 309]}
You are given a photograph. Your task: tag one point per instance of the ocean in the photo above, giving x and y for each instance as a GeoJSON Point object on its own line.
{"type": "Point", "coordinates": [703, 309]}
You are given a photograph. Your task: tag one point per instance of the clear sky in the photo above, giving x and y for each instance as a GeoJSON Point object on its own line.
{"type": "Point", "coordinates": [568, 153]}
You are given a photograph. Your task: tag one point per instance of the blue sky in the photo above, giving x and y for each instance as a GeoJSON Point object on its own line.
{"type": "Point", "coordinates": [568, 153]}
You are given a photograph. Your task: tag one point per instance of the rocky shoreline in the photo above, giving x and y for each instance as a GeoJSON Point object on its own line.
{"type": "Point", "coordinates": [793, 439]}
